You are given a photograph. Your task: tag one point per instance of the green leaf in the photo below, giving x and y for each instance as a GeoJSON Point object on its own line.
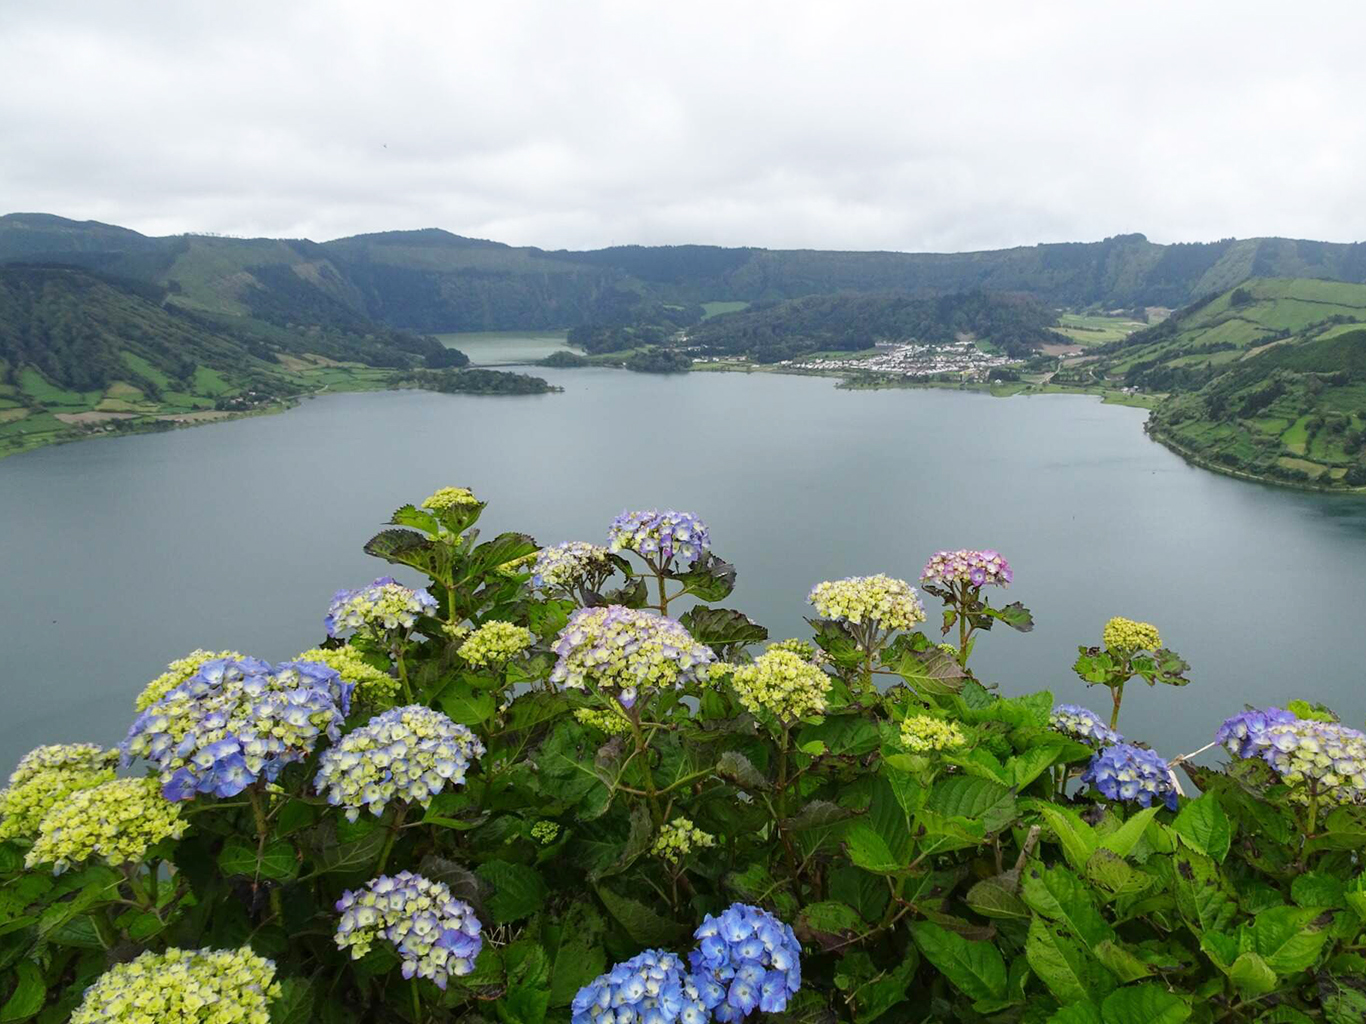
{"type": "Point", "coordinates": [829, 923]}
{"type": "Point", "coordinates": [722, 627]}
{"type": "Point", "coordinates": [278, 862]}
{"type": "Point", "coordinates": [1123, 839]}
{"type": "Point", "coordinates": [1204, 827]}
{"type": "Point", "coordinates": [1077, 1013]}
{"type": "Point", "coordinates": [1343, 829]}
{"type": "Point", "coordinates": [1060, 896]}
{"type": "Point", "coordinates": [1027, 767]}
{"type": "Point", "coordinates": [1149, 1003]}
{"type": "Point", "coordinates": [1289, 939]}
{"type": "Point", "coordinates": [294, 1005]}
{"type": "Point", "coordinates": [709, 579]}
{"type": "Point", "coordinates": [1315, 889]}
{"type": "Point", "coordinates": [517, 890]}
{"type": "Point", "coordinates": [991, 898]}
{"type": "Point", "coordinates": [973, 797]}
{"type": "Point", "coordinates": [739, 769]}
{"type": "Point", "coordinates": [975, 968]}
{"type": "Point", "coordinates": [641, 923]}
{"type": "Point", "coordinates": [870, 851]}
{"type": "Point", "coordinates": [1252, 975]}
{"type": "Point", "coordinates": [1343, 998]}
{"type": "Point", "coordinates": [465, 705]}
{"type": "Point", "coordinates": [1014, 615]}
{"type": "Point", "coordinates": [933, 672]}
{"type": "Point", "coordinates": [1078, 839]}
{"type": "Point", "coordinates": [30, 992]}
{"type": "Point", "coordinates": [577, 962]}
{"type": "Point", "coordinates": [1062, 965]}
{"type": "Point", "coordinates": [404, 547]}
{"type": "Point", "coordinates": [1201, 894]}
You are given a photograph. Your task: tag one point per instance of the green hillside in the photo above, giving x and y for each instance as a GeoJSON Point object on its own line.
{"type": "Point", "coordinates": [1267, 379]}
{"type": "Point", "coordinates": [433, 281]}
{"type": "Point", "coordinates": [771, 332]}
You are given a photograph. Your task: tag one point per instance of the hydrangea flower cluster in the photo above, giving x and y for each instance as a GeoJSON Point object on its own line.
{"type": "Point", "coordinates": [176, 673]}
{"type": "Point", "coordinates": [545, 831]}
{"type": "Point", "coordinates": [923, 734]}
{"type": "Point", "coordinates": [44, 777]}
{"type": "Point", "coordinates": [118, 820]}
{"type": "Point", "coordinates": [568, 565]}
{"type": "Point", "coordinates": [407, 754]}
{"type": "Point", "coordinates": [780, 683]}
{"type": "Point", "coordinates": [451, 497]}
{"type": "Point", "coordinates": [369, 686]}
{"type": "Point", "coordinates": [1082, 724]}
{"type": "Point", "coordinates": [977, 568]}
{"type": "Point", "coordinates": [662, 536]}
{"type": "Point", "coordinates": [1242, 734]}
{"type": "Point", "coordinates": [1127, 636]}
{"type": "Point", "coordinates": [623, 651]}
{"type": "Point", "coordinates": [613, 723]}
{"type": "Point", "coordinates": [877, 600]}
{"type": "Point", "coordinates": [382, 607]}
{"type": "Point", "coordinates": [237, 720]}
{"type": "Point", "coordinates": [653, 987]}
{"type": "Point", "coordinates": [801, 648]}
{"type": "Point", "coordinates": [746, 959]}
{"type": "Point", "coordinates": [183, 986]}
{"type": "Point", "coordinates": [1331, 755]}
{"type": "Point", "coordinates": [679, 838]}
{"type": "Point", "coordinates": [1126, 772]}
{"type": "Point", "coordinates": [436, 935]}
{"type": "Point", "coordinates": [494, 643]}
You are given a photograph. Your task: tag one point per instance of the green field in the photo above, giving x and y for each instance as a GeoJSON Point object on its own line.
{"type": "Point", "coordinates": [711, 309]}
{"type": "Point", "coordinates": [1096, 328]}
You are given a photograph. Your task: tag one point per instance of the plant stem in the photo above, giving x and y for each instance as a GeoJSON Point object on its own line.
{"type": "Point", "coordinates": [417, 1002]}
{"type": "Point", "coordinates": [1117, 695]}
{"type": "Point", "coordinates": [397, 824]}
{"type": "Point", "coordinates": [258, 812]}
{"type": "Point", "coordinates": [788, 853]}
{"type": "Point", "coordinates": [963, 631]}
{"type": "Point", "coordinates": [403, 673]}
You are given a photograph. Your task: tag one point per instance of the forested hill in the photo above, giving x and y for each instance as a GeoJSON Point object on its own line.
{"type": "Point", "coordinates": [431, 280]}
{"type": "Point", "coordinates": [768, 333]}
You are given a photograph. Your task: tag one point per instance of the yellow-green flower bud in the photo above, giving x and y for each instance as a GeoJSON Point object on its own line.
{"type": "Point", "coordinates": [1127, 636]}
{"type": "Point", "coordinates": [494, 643]}
{"type": "Point", "coordinates": [679, 838]}
{"type": "Point", "coordinates": [117, 820]}
{"type": "Point", "coordinates": [373, 687]}
{"type": "Point", "coordinates": [922, 734]}
{"type": "Point", "coordinates": [782, 684]}
{"type": "Point", "coordinates": [181, 986]}
{"type": "Point", "coordinates": [46, 776]}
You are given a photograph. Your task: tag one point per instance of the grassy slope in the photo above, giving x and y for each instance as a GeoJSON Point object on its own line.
{"type": "Point", "coordinates": [1285, 394]}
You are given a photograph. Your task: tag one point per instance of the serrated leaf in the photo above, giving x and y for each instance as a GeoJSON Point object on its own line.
{"type": "Point", "coordinates": [1015, 615]}
{"type": "Point", "coordinates": [870, 851]}
{"type": "Point", "coordinates": [975, 798]}
{"type": "Point", "coordinates": [1077, 838]}
{"type": "Point", "coordinates": [295, 1003]}
{"type": "Point", "coordinates": [515, 890]}
{"type": "Point", "coordinates": [465, 705]}
{"type": "Point", "coordinates": [30, 992]}
{"type": "Point", "coordinates": [1149, 1003]}
{"type": "Point", "coordinates": [1062, 964]}
{"type": "Point", "coordinates": [1203, 825]}
{"type": "Point", "coordinates": [722, 627]}
{"type": "Point", "coordinates": [739, 769]}
{"type": "Point", "coordinates": [1252, 975]}
{"type": "Point", "coordinates": [404, 547]}
{"type": "Point", "coordinates": [1123, 839]}
{"type": "Point", "coordinates": [641, 923]}
{"type": "Point", "coordinates": [932, 672]}
{"type": "Point", "coordinates": [278, 861]}
{"type": "Point", "coordinates": [1061, 896]}
{"type": "Point", "coordinates": [991, 898]}
{"type": "Point", "coordinates": [975, 968]}
{"type": "Point", "coordinates": [1077, 1013]}
{"type": "Point", "coordinates": [1289, 939]}
{"type": "Point", "coordinates": [709, 579]}
{"type": "Point", "coordinates": [829, 923]}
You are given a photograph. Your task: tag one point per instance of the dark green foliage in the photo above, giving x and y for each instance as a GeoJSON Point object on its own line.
{"type": "Point", "coordinates": [971, 883]}
{"type": "Point", "coordinates": [477, 382]}
{"type": "Point", "coordinates": [564, 359]}
{"type": "Point", "coordinates": [769, 333]}
{"type": "Point", "coordinates": [659, 360]}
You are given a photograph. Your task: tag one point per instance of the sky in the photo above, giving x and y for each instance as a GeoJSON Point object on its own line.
{"type": "Point", "coordinates": [841, 124]}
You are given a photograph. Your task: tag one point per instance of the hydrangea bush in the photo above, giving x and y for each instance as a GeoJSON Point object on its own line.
{"type": "Point", "coordinates": [570, 784]}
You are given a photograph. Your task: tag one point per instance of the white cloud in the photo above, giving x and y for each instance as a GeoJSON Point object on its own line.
{"type": "Point", "coordinates": [796, 124]}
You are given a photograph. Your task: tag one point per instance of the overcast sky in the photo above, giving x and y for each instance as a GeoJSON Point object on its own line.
{"type": "Point", "coordinates": [839, 124]}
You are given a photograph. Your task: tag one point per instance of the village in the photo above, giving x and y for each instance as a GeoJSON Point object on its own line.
{"type": "Point", "coordinates": [912, 360]}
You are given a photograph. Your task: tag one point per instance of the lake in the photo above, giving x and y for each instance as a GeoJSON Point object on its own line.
{"type": "Point", "coordinates": [506, 348]}
{"type": "Point", "coordinates": [119, 555]}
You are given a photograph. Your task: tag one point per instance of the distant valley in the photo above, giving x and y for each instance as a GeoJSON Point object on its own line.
{"type": "Point", "coordinates": [1258, 372]}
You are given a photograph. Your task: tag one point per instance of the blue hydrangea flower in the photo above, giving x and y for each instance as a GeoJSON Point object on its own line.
{"type": "Point", "coordinates": [407, 754]}
{"type": "Point", "coordinates": [653, 987]}
{"type": "Point", "coordinates": [235, 721]}
{"type": "Point", "coordinates": [436, 935]}
{"type": "Point", "coordinates": [382, 607]}
{"type": "Point", "coordinates": [1241, 734]}
{"type": "Point", "coordinates": [1082, 724]}
{"type": "Point", "coordinates": [746, 959]}
{"type": "Point", "coordinates": [1126, 772]}
{"type": "Point", "coordinates": [661, 536]}
{"type": "Point", "coordinates": [1328, 758]}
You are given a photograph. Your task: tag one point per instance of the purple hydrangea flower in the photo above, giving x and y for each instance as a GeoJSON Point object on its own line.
{"type": "Point", "coordinates": [979, 568]}
{"type": "Point", "coordinates": [235, 721]}
{"type": "Point", "coordinates": [1082, 724]}
{"type": "Point", "coordinates": [1241, 735]}
{"type": "Point", "coordinates": [746, 959]}
{"type": "Point", "coordinates": [381, 607]}
{"type": "Point", "coordinates": [1327, 757]}
{"type": "Point", "coordinates": [1129, 773]}
{"type": "Point", "coordinates": [661, 536]}
{"type": "Point", "coordinates": [436, 935]}
{"type": "Point", "coordinates": [652, 987]}
{"type": "Point", "coordinates": [620, 651]}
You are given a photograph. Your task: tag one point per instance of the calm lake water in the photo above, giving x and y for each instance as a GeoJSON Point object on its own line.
{"type": "Point", "coordinates": [505, 348]}
{"type": "Point", "coordinates": [119, 555]}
